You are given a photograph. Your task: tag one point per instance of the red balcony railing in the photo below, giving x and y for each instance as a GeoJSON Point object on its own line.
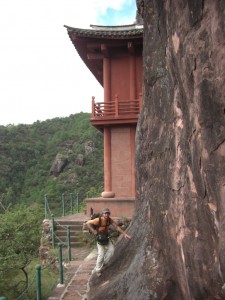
{"type": "Point", "coordinates": [116, 108]}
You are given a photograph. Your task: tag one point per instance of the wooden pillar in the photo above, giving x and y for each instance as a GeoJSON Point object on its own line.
{"type": "Point", "coordinates": [132, 78]}
{"type": "Point", "coordinates": [132, 150]}
{"type": "Point", "coordinates": [106, 79]}
{"type": "Point", "coordinates": [107, 130]}
{"type": "Point", "coordinates": [107, 159]}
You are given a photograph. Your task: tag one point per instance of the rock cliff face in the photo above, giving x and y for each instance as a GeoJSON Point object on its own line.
{"type": "Point", "coordinates": [59, 164]}
{"type": "Point", "coordinates": [177, 249]}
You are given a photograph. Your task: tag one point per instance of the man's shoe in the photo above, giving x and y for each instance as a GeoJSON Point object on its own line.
{"type": "Point", "coordinates": [98, 273]}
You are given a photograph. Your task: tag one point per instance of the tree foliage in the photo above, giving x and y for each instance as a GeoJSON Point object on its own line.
{"type": "Point", "coordinates": [19, 243]}
{"type": "Point", "coordinates": [28, 151]}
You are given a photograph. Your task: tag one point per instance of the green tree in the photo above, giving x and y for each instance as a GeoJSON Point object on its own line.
{"type": "Point", "coordinates": [27, 153]}
{"type": "Point", "coordinates": [20, 234]}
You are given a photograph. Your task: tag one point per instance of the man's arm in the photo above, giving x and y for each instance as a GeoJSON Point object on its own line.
{"type": "Point", "coordinates": [90, 224]}
{"type": "Point", "coordinates": [113, 223]}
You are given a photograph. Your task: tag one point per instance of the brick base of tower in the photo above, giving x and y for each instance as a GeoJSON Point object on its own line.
{"type": "Point", "coordinates": [119, 207]}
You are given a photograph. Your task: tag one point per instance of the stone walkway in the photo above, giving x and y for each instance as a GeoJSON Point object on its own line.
{"type": "Point", "coordinates": [76, 276]}
{"type": "Point", "coordinates": [77, 273]}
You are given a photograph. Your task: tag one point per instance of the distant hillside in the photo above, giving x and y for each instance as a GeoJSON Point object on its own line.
{"type": "Point", "coordinates": [62, 155]}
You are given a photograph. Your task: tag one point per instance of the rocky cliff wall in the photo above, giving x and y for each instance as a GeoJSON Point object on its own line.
{"type": "Point", "coordinates": [177, 249]}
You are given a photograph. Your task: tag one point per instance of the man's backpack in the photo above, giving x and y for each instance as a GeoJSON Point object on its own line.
{"type": "Point", "coordinates": [102, 238]}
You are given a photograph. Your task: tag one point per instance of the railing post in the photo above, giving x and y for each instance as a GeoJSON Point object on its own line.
{"type": "Point", "coordinates": [69, 244]}
{"type": "Point", "coordinates": [63, 205]}
{"type": "Point", "coordinates": [140, 102]}
{"type": "Point", "coordinates": [46, 207]}
{"type": "Point", "coordinates": [38, 281]}
{"type": "Point", "coordinates": [93, 107]}
{"type": "Point", "coordinates": [71, 203]}
{"type": "Point", "coordinates": [53, 231]}
{"type": "Point", "coordinates": [116, 106]}
{"type": "Point", "coordinates": [60, 263]}
{"type": "Point", "coordinates": [78, 209]}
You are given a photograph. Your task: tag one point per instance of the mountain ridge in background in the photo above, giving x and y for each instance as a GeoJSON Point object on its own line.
{"type": "Point", "coordinates": [52, 157]}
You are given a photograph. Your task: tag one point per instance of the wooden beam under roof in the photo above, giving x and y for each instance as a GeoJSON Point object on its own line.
{"type": "Point", "coordinates": [105, 50]}
{"type": "Point", "coordinates": [131, 48]}
{"type": "Point", "coordinates": [112, 44]}
{"type": "Point", "coordinates": [94, 56]}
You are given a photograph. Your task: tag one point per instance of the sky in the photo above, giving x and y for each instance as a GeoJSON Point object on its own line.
{"type": "Point", "coordinates": [41, 74]}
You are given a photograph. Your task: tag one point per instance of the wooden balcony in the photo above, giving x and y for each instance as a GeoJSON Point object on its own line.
{"type": "Point", "coordinates": [115, 112]}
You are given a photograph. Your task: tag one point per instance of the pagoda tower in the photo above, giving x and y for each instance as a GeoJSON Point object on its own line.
{"type": "Point", "coordinates": [114, 55]}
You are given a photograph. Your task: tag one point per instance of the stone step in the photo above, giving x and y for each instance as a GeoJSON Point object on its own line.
{"type": "Point", "coordinates": [64, 232]}
{"type": "Point", "coordinates": [76, 227]}
{"type": "Point", "coordinates": [72, 227]}
{"type": "Point", "coordinates": [72, 244]}
{"type": "Point", "coordinates": [64, 238]}
{"type": "Point", "coordinates": [69, 222]}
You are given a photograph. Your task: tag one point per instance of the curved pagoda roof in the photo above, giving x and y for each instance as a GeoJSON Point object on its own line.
{"type": "Point", "coordinates": [96, 42]}
{"type": "Point", "coordinates": [109, 32]}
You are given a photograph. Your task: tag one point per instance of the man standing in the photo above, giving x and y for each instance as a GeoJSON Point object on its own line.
{"type": "Point", "coordinates": [104, 244]}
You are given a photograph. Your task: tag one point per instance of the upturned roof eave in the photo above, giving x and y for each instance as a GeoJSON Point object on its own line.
{"type": "Point", "coordinates": [107, 32]}
{"type": "Point", "coordinates": [81, 52]}
{"type": "Point", "coordinates": [78, 37]}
